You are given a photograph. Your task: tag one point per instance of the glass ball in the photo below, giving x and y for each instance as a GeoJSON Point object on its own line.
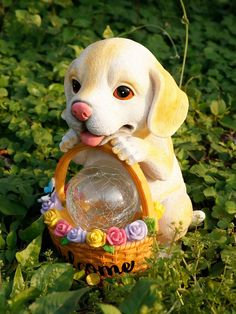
{"type": "Point", "coordinates": [102, 196]}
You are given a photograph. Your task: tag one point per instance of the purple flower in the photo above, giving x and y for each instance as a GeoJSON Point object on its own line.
{"type": "Point", "coordinates": [136, 231]}
{"type": "Point", "coordinates": [50, 202]}
{"type": "Point", "coordinates": [46, 203]}
{"type": "Point", "coordinates": [55, 202]}
{"type": "Point", "coordinates": [77, 235]}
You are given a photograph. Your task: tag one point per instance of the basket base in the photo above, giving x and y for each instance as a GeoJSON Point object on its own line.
{"type": "Point", "coordinates": [128, 258]}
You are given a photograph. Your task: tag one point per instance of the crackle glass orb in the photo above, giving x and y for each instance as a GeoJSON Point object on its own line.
{"type": "Point", "coordinates": [102, 196]}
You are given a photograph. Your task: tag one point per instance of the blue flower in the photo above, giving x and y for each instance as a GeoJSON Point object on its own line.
{"type": "Point", "coordinates": [50, 187]}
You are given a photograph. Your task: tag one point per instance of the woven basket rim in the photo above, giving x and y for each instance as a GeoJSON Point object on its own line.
{"type": "Point", "coordinates": [127, 245]}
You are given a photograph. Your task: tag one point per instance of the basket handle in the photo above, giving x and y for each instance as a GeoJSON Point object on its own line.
{"type": "Point", "coordinates": [134, 170]}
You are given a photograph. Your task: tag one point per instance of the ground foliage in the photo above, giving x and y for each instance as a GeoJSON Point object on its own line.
{"type": "Point", "coordinates": [38, 40]}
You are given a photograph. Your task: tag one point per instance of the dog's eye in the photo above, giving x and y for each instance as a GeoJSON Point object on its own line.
{"type": "Point", "coordinates": [123, 92]}
{"type": "Point", "coordinates": [75, 86]}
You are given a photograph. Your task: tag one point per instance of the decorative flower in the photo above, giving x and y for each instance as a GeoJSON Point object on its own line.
{"type": "Point", "coordinates": [50, 202]}
{"type": "Point", "coordinates": [77, 235]}
{"type": "Point", "coordinates": [49, 188]}
{"type": "Point", "coordinates": [96, 238]}
{"type": "Point", "coordinates": [159, 209]}
{"type": "Point", "coordinates": [56, 203]}
{"type": "Point", "coordinates": [51, 217]}
{"type": "Point", "coordinates": [46, 203]}
{"type": "Point", "coordinates": [136, 231]}
{"type": "Point", "coordinates": [62, 228]}
{"type": "Point", "coordinates": [116, 236]}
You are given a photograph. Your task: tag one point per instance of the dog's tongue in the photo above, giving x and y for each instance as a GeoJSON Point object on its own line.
{"type": "Point", "coordinates": [90, 139]}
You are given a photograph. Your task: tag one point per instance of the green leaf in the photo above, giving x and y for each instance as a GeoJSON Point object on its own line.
{"type": "Point", "coordinates": [224, 222]}
{"type": "Point", "coordinates": [151, 225]}
{"type": "Point", "coordinates": [11, 240]}
{"type": "Point", "coordinates": [109, 309]}
{"type": "Point", "coordinates": [108, 33]}
{"type": "Point", "coordinates": [53, 277]}
{"type": "Point", "coordinates": [209, 179]}
{"type": "Point", "coordinates": [228, 256]}
{"type": "Point", "coordinates": [57, 22]}
{"type": "Point", "coordinates": [140, 295]}
{"type": "Point", "coordinates": [128, 280]}
{"type": "Point", "coordinates": [31, 232]}
{"type": "Point", "coordinates": [4, 294]}
{"type": "Point", "coordinates": [57, 88]}
{"type": "Point", "coordinates": [11, 208]}
{"type": "Point", "coordinates": [3, 92]}
{"type": "Point", "coordinates": [219, 236]}
{"type": "Point", "coordinates": [24, 16]}
{"type": "Point", "coordinates": [228, 122]}
{"type": "Point", "coordinates": [18, 282]}
{"type": "Point", "coordinates": [77, 50]}
{"type": "Point", "coordinates": [15, 224]}
{"type": "Point", "coordinates": [21, 15]}
{"type": "Point", "coordinates": [109, 248]}
{"type": "Point", "coordinates": [58, 302]}
{"type": "Point", "coordinates": [4, 81]}
{"type": "Point", "coordinates": [68, 34]}
{"type": "Point", "coordinates": [10, 254]}
{"type": "Point", "coordinates": [79, 274]}
{"type": "Point", "coordinates": [7, 3]}
{"type": "Point", "coordinates": [199, 169]}
{"type": "Point", "coordinates": [42, 136]}
{"type": "Point", "coordinates": [36, 20]}
{"type": "Point", "coordinates": [2, 242]}
{"type": "Point", "coordinates": [210, 192]}
{"type": "Point", "coordinates": [29, 256]}
{"type": "Point", "coordinates": [20, 301]}
{"type": "Point", "coordinates": [64, 241]}
{"type": "Point", "coordinates": [82, 22]}
{"type": "Point", "coordinates": [218, 107]}
{"type": "Point", "coordinates": [230, 207]}
{"type": "Point", "coordinates": [36, 89]}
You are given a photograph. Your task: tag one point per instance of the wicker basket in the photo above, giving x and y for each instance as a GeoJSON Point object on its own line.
{"type": "Point", "coordinates": [126, 258]}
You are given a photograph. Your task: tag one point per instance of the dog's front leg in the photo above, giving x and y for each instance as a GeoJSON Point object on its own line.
{"type": "Point", "coordinates": [69, 140]}
{"type": "Point", "coordinates": [155, 155]}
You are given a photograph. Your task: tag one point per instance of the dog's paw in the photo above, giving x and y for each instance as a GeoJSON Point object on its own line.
{"type": "Point", "coordinates": [129, 149]}
{"type": "Point", "coordinates": [69, 140]}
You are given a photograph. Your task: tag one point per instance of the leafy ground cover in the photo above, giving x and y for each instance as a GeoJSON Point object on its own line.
{"type": "Point", "coordinates": [37, 42]}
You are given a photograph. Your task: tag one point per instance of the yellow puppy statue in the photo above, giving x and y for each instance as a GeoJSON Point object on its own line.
{"type": "Point", "coordinates": [117, 91]}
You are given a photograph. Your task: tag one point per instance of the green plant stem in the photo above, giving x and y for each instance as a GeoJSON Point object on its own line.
{"type": "Point", "coordinates": [164, 32]}
{"type": "Point", "coordinates": [185, 21]}
{"type": "Point", "coordinates": [173, 307]}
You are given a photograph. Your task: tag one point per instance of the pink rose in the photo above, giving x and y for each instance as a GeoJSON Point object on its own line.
{"type": "Point", "coordinates": [62, 228]}
{"type": "Point", "coordinates": [116, 236]}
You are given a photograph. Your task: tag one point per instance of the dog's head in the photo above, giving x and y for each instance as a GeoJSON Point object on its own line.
{"type": "Point", "coordinates": [117, 85]}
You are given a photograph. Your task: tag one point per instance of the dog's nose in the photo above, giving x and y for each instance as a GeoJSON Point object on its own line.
{"type": "Point", "coordinates": [81, 111]}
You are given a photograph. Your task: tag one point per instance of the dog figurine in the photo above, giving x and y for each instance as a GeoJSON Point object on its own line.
{"type": "Point", "coordinates": [117, 92]}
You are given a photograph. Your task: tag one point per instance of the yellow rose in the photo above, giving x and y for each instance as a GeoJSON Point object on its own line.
{"type": "Point", "coordinates": [51, 217]}
{"type": "Point", "coordinates": [159, 209]}
{"type": "Point", "coordinates": [96, 238]}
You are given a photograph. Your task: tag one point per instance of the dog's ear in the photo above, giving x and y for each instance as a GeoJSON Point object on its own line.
{"type": "Point", "coordinates": [169, 105]}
